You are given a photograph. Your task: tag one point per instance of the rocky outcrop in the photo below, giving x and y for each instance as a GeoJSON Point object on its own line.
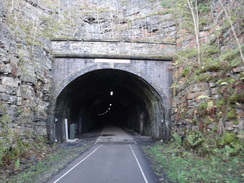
{"type": "Point", "coordinates": [208, 97]}
{"type": "Point", "coordinates": [116, 20]}
{"type": "Point", "coordinates": [25, 78]}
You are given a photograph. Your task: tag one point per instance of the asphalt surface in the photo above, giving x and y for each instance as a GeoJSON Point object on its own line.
{"type": "Point", "coordinates": [114, 158]}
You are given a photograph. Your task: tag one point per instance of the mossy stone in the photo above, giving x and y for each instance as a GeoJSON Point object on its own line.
{"type": "Point", "coordinates": [232, 114]}
{"type": "Point", "coordinates": [237, 97]}
{"type": "Point", "coordinates": [230, 138]}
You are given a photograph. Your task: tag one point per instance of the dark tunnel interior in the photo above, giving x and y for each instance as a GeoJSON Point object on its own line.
{"type": "Point", "coordinates": [109, 96]}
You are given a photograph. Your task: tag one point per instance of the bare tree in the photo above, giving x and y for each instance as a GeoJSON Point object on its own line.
{"type": "Point", "coordinates": [195, 17]}
{"type": "Point", "coordinates": [233, 30]}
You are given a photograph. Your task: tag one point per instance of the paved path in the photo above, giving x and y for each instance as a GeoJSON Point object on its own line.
{"type": "Point", "coordinates": [114, 158]}
{"type": "Point", "coordinates": [113, 134]}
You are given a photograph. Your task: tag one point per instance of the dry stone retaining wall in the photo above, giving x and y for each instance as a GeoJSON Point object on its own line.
{"type": "Point", "coordinates": [25, 79]}
{"type": "Point", "coordinates": [204, 101]}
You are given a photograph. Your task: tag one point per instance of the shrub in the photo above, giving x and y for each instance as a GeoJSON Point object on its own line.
{"type": "Point", "coordinates": [232, 114]}
{"type": "Point", "coordinates": [237, 97]}
{"type": "Point", "coordinates": [177, 138]}
{"type": "Point", "coordinates": [229, 138]}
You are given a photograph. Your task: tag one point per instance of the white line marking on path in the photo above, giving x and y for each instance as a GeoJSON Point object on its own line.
{"type": "Point", "coordinates": [77, 164]}
{"type": "Point", "coordinates": [145, 179]}
{"type": "Point", "coordinates": [99, 138]}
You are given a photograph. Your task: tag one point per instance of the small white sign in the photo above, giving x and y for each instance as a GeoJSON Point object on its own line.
{"type": "Point", "coordinates": [122, 61]}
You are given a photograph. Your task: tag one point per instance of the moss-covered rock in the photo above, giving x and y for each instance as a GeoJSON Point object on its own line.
{"type": "Point", "coordinates": [231, 114]}
{"type": "Point", "coordinates": [237, 97]}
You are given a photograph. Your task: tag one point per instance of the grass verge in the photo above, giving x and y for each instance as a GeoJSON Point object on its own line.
{"type": "Point", "coordinates": [45, 169]}
{"type": "Point", "coordinates": [183, 166]}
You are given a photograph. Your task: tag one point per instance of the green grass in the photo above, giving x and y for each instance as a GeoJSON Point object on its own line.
{"type": "Point", "coordinates": [45, 169]}
{"type": "Point", "coordinates": [182, 166]}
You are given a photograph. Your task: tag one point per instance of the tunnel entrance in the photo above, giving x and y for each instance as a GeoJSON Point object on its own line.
{"type": "Point", "coordinates": [109, 97]}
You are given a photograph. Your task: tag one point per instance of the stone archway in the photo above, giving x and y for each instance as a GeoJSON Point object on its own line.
{"type": "Point", "coordinates": [135, 104]}
{"type": "Point", "coordinates": [76, 60]}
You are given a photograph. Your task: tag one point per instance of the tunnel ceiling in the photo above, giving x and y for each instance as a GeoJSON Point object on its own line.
{"type": "Point", "coordinates": [94, 89]}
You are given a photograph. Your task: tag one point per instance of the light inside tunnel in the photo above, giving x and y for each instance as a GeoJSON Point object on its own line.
{"type": "Point", "coordinates": [101, 114]}
{"type": "Point", "coordinates": [85, 102]}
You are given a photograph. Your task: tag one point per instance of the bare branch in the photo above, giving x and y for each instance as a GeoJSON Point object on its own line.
{"type": "Point", "coordinates": [196, 28]}
{"type": "Point", "coordinates": [233, 30]}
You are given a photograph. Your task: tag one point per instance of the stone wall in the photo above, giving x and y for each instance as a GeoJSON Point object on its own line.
{"type": "Point", "coordinates": [115, 20]}
{"type": "Point", "coordinates": [25, 77]}
{"type": "Point", "coordinates": [209, 97]}
{"type": "Point", "coordinates": [157, 50]}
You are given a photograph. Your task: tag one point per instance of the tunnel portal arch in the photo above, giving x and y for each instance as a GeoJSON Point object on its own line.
{"type": "Point", "coordinates": [87, 102]}
{"type": "Point", "coordinates": [145, 103]}
{"type": "Point", "coordinates": [65, 80]}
